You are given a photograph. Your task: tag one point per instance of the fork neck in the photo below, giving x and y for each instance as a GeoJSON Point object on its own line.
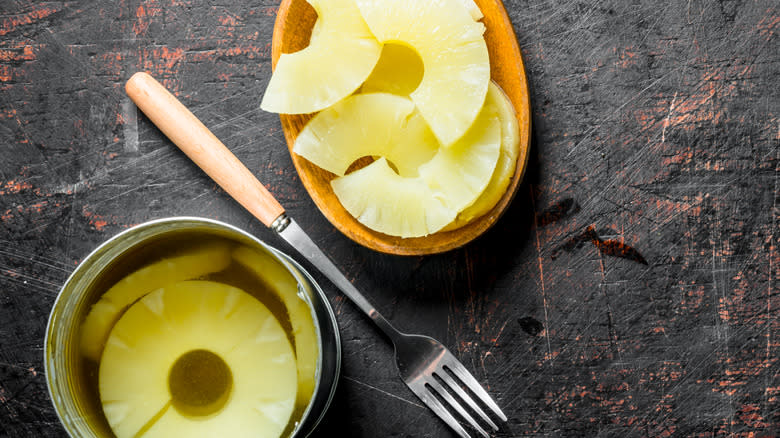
{"type": "Point", "coordinates": [391, 332]}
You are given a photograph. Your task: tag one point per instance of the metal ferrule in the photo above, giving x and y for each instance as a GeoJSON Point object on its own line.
{"type": "Point", "coordinates": [280, 223]}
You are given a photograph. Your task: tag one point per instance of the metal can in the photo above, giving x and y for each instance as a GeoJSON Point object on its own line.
{"type": "Point", "coordinates": [71, 380]}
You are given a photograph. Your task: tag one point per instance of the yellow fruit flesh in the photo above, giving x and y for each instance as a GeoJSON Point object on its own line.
{"type": "Point", "coordinates": [459, 174]}
{"type": "Point", "coordinates": [196, 263]}
{"type": "Point", "coordinates": [386, 202]}
{"type": "Point", "coordinates": [281, 281]}
{"type": "Point", "coordinates": [507, 160]}
{"type": "Point", "coordinates": [376, 124]}
{"type": "Point", "coordinates": [453, 51]}
{"type": "Point", "coordinates": [473, 9]}
{"type": "Point", "coordinates": [338, 59]}
{"type": "Point", "coordinates": [170, 322]}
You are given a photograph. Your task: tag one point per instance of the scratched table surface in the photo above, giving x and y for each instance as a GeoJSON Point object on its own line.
{"type": "Point", "coordinates": [630, 290]}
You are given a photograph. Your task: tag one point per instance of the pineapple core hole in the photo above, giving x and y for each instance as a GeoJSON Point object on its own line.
{"type": "Point", "coordinates": [399, 71]}
{"type": "Point", "coordinates": [200, 383]}
{"type": "Point", "coordinates": [365, 161]}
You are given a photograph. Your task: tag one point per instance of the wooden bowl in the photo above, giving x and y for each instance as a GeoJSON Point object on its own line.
{"type": "Point", "coordinates": [292, 30]}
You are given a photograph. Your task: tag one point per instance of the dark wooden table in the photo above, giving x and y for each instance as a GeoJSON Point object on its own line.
{"type": "Point", "coordinates": [631, 289]}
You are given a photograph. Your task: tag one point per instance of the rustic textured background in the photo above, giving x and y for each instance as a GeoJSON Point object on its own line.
{"type": "Point", "coordinates": [631, 289]}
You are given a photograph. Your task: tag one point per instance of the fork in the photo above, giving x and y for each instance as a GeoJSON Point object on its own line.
{"type": "Point", "coordinates": [425, 365]}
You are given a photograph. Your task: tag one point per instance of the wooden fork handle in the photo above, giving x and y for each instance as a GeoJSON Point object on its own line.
{"type": "Point", "coordinates": [205, 149]}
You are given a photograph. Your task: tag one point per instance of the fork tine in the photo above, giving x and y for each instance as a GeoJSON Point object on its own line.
{"type": "Point", "coordinates": [460, 371]}
{"type": "Point", "coordinates": [467, 398]}
{"type": "Point", "coordinates": [436, 386]}
{"type": "Point", "coordinates": [418, 387]}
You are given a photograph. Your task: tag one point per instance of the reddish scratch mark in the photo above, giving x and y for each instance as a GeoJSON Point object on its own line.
{"type": "Point", "coordinates": [228, 21]}
{"type": "Point", "coordinates": [11, 23]}
{"type": "Point", "coordinates": [38, 207]}
{"type": "Point", "coordinates": [617, 248]}
{"type": "Point", "coordinates": [749, 415]}
{"type": "Point", "coordinates": [684, 157]}
{"type": "Point", "coordinates": [24, 53]}
{"type": "Point", "coordinates": [494, 341]}
{"type": "Point", "coordinates": [668, 116]}
{"type": "Point", "coordinates": [687, 111]}
{"type": "Point", "coordinates": [549, 355]}
{"type": "Point", "coordinates": [79, 125]}
{"type": "Point", "coordinates": [161, 61]}
{"type": "Point", "coordinates": [614, 248]}
{"type": "Point", "coordinates": [112, 60]}
{"type": "Point", "coordinates": [251, 52]}
{"type": "Point", "coordinates": [145, 16]}
{"type": "Point", "coordinates": [466, 346]}
{"type": "Point", "coordinates": [11, 273]}
{"type": "Point", "coordinates": [766, 27]}
{"type": "Point", "coordinates": [5, 73]}
{"type": "Point", "coordinates": [98, 222]}
{"type": "Point", "coordinates": [769, 291]}
{"type": "Point", "coordinates": [697, 108]}
{"type": "Point", "coordinates": [14, 187]}
{"type": "Point", "coordinates": [94, 220]}
{"type": "Point", "coordinates": [111, 56]}
{"type": "Point", "coordinates": [626, 57]}
{"type": "Point", "coordinates": [270, 11]}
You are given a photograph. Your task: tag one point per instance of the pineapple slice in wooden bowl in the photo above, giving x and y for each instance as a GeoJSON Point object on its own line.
{"type": "Point", "coordinates": [465, 180]}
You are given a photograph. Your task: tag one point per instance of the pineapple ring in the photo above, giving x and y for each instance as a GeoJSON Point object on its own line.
{"type": "Point", "coordinates": [268, 269]}
{"type": "Point", "coordinates": [414, 207]}
{"type": "Point", "coordinates": [343, 54]}
{"type": "Point", "coordinates": [389, 203]}
{"type": "Point", "coordinates": [454, 54]}
{"type": "Point", "coordinates": [507, 161]}
{"type": "Point", "coordinates": [367, 124]}
{"type": "Point", "coordinates": [459, 174]}
{"type": "Point", "coordinates": [136, 370]}
{"type": "Point", "coordinates": [103, 314]}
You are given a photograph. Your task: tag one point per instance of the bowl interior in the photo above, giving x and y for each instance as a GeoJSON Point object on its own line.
{"type": "Point", "coordinates": [294, 22]}
{"type": "Point", "coordinates": [72, 379]}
